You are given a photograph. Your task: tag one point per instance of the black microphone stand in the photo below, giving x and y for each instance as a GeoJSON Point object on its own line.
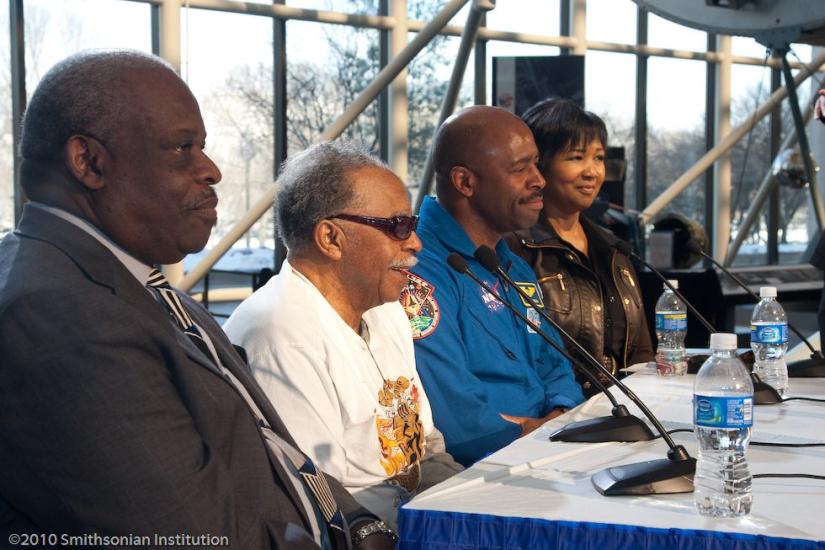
{"type": "Point", "coordinates": [671, 475]}
{"type": "Point", "coordinates": [763, 394]}
{"type": "Point", "coordinates": [626, 249]}
{"type": "Point", "coordinates": [621, 426]}
{"type": "Point", "coordinates": [806, 368]}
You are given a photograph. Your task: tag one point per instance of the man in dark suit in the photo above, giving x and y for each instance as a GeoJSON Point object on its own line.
{"type": "Point", "coordinates": [117, 417]}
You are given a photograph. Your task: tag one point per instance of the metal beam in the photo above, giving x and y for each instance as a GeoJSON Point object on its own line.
{"type": "Point", "coordinates": [279, 119]}
{"type": "Point", "coordinates": [18, 95]}
{"type": "Point", "coordinates": [640, 129]}
{"type": "Point", "coordinates": [773, 197]}
{"type": "Point", "coordinates": [154, 23]}
{"type": "Point", "coordinates": [169, 32]}
{"type": "Point", "coordinates": [288, 12]}
{"type": "Point", "coordinates": [564, 23]}
{"type": "Point", "coordinates": [334, 130]}
{"type": "Point", "coordinates": [723, 171]}
{"type": "Point", "coordinates": [398, 117]}
{"type": "Point", "coordinates": [453, 87]}
{"type": "Point", "coordinates": [710, 136]}
{"type": "Point", "coordinates": [480, 67]}
{"type": "Point", "coordinates": [168, 42]}
{"type": "Point", "coordinates": [578, 24]}
{"type": "Point", "coordinates": [384, 98]}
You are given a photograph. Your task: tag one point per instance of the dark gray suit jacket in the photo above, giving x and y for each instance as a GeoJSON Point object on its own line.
{"type": "Point", "coordinates": [112, 421]}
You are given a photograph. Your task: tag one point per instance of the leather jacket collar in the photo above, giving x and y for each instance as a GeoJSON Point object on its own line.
{"type": "Point", "coordinates": [542, 234]}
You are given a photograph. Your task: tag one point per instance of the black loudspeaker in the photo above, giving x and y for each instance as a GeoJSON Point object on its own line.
{"type": "Point", "coordinates": [521, 82]}
{"type": "Point", "coordinates": [700, 288]}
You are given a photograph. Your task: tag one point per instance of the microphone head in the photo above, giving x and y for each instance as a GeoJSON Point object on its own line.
{"type": "Point", "coordinates": [623, 247]}
{"type": "Point", "coordinates": [694, 247]}
{"type": "Point", "coordinates": [487, 257]}
{"type": "Point", "coordinates": [458, 263]}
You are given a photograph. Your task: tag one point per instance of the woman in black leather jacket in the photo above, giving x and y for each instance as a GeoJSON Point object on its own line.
{"type": "Point", "coordinates": [589, 288]}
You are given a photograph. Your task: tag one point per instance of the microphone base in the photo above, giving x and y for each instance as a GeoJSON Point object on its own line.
{"type": "Point", "coordinates": [653, 477]}
{"type": "Point", "coordinates": [604, 428]}
{"type": "Point", "coordinates": [807, 368]}
{"type": "Point", "coordinates": [764, 394]}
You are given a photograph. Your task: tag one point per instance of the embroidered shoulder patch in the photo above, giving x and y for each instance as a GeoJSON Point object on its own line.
{"type": "Point", "coordinates": [418, 301]}
{"type": "Point", "coordinates": [533, 291]}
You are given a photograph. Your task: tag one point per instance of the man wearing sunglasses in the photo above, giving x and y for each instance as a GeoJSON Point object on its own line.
{"type": "Point", "coordinates": [489, 377]}
{"type": "Point", "coordinates": [327, 338]}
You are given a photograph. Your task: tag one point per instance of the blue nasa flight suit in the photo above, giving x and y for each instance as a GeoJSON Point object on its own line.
{"type": "Point", "coordinates": [475, 358]}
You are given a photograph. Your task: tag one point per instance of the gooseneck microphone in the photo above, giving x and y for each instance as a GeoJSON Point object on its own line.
{"type": "Point", "coordinates": [763, 394]}
{"type": "Point", "coordinates": [627, 250]}
{"type": "Point", "coordinates": [671, 475]}
{"type": "Point", "coordinates": [806, 368]}
{"type": "Point", "coordinates": [620, 426]}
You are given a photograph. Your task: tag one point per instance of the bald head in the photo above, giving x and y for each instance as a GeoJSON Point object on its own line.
{"type": "Point", "coordinates": [469, 136]}
{"type": "Point", "coordinates": [486, 173]}
{"type": "Point", "coordinates": [90, 93]}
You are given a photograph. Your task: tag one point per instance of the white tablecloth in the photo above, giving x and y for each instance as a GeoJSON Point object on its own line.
{"type": "Point", "coordinates": [537, 479]}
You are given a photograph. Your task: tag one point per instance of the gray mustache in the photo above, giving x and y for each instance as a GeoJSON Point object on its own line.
{"type": "Point", "coordinates": [404, 264]}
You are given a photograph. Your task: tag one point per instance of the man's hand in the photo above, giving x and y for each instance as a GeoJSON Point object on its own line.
{"type": "Point", "coordinates": [819, 106]}
{"type": "Point", "coordinates": [529, 424]}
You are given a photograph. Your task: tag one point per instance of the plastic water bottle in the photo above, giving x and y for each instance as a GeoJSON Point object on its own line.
{"type": "Point", "coordinates": [769, 340]}
{"type": "Point", "coordinates": [722, 420]}
{"type": "Point", "coordinates": [671, 329]}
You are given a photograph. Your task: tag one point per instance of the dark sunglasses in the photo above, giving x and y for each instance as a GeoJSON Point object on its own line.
{"type": "Point", "coordinates": [399, 227]}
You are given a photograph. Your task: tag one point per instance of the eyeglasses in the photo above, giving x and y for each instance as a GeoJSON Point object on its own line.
{"type": "Point", "coordinates": [399, 227]}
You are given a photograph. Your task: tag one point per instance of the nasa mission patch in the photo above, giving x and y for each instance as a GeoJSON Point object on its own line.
{"type": "Point", "coordinates": [418, 301]}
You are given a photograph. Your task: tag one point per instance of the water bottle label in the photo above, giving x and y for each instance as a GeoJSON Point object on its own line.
{"type": "Point", "coordinates": [722, 412]}
{"type": "Point", "coordinates": [769, 334]}
{"type": "Point", "coordinates": [671, 321]}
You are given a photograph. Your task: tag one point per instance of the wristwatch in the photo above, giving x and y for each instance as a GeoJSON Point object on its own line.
{"type": "Point", "coordinates": [370, 529]}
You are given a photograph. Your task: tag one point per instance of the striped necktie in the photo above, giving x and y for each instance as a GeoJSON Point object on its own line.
{"type": "Point", "coordinates": [298, 462]}
{"type": "Point", "coordinates": [171, 301]}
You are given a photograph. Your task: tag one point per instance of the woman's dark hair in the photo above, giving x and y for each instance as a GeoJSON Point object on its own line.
{"type": "Point", "coordinates": [560, 124]}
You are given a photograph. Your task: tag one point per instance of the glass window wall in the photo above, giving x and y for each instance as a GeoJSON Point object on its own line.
{"type": "Point", "coordinates": [676, 131]}
{"type": "Point", "coordinates": [232, 80]}
{"type": "Point", "coordinates": [612, 21]}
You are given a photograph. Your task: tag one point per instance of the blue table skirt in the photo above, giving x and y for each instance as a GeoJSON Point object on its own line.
{"type": "Point", "coordinates": [432, 530]}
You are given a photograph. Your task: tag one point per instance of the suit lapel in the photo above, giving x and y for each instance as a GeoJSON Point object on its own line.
{"type": "Point", "coordinates": [102, 267]}
{"type": "Point", "coordinates": [233, 362]}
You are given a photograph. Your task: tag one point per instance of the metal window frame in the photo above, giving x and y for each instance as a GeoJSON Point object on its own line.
{"type": "Point", "coordinates": [18, 95]}
{"type": "Point", "coordinates": [385, 22]}
{"type": "Point", "coordinates": [640, 126]}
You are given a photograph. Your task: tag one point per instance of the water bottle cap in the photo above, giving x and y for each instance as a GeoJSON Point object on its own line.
{"type": "Point", "coordinates": [673, 283]}
{"type": "Point", "coordinates": [722, 340]}
{"type": "Point", "coordinates": [767, 292]}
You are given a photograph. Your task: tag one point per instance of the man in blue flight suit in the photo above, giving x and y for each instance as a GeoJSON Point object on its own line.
{"type": "Point", "coordinates": [490, 378]}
